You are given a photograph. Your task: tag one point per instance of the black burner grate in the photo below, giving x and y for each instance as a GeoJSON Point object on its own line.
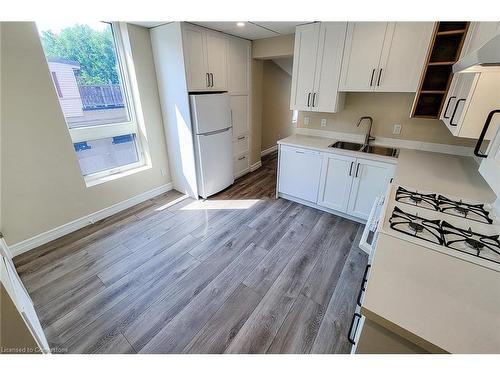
{"type": "Point", "coordinates": [413, 225]}
{"type": "Point", "coordinates": [435, 202]}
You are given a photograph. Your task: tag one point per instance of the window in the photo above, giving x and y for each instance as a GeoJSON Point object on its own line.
{"type": "Point", "coordinates": [87, 64]}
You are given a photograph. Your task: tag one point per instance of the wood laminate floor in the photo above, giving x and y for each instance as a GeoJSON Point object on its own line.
{"type": "Point", "coordinates": [242, 272]}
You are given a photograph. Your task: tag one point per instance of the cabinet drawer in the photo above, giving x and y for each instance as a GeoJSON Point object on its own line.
{"type": "Point", "coordinates": [240, 144]}
{"type": "Point", "coordinates": [241, 164]}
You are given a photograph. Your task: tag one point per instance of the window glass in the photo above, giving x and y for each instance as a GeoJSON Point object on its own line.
{"type": "Point", "coordinates": [84, 59]}
{"type": "Point", "coordinates": [88, 76]}
{"type": "Point", "coordinates": [107, 153]}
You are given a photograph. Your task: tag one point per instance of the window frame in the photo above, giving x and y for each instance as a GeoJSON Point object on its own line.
{"type": "Point", "coordinates": [95, 132]}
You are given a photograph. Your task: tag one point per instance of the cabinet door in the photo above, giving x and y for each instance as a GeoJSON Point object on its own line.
{"type": "Point", "coordinates": [195, 59]}
{"type": "Point", "coordinates": [238, 66]}
{"type": "Point", "coordinates": [370, 180]}
{"type": "Point", "coordinates": [239, 114]}
{"type": "Point", "coordinates": [328, 65]}
{"type": "Point", "coordinates": [403, 56]}
{"type": "Point", "coordinates": [304, 66]}
{"type": "Point", "coordinates": [299, 173]}
{"type": "Point", "coordinates": [458, 100]}
{"type": "Point", "coordinates": [335, 182]}
{"type": "Point", "coordinates": [217, 60]}
{"type": "Point", "coordinates": [362, 50]}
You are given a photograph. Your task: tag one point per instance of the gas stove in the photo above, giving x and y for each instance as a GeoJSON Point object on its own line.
{"type": "Point", "coordinates": [437, 202]}
{"type": "Point", "coordinates": [465, 230]}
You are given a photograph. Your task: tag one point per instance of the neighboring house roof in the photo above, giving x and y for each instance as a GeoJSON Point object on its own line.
{"type": "Point", "coordinates": [64, 61]}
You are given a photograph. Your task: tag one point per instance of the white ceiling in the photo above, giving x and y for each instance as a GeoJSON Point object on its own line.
{"type": "Point", "coordinates": [252, 30]}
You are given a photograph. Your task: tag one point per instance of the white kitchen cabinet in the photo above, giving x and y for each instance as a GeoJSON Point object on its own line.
{"type": "Point", "coordinates": [238, 66]}
{"type": "Point", "coordinates": [342, 183]}
{"type": "Point", "coordinates": [384, 56]}
{"type": "Point", "coordinates": [241, 165]}
{"type": "Point", "coordinates": [304, 66]}
{"type": "Point", "coordinates": [217, 60]}
{"type": "Point", "coordinates": [196, 58]}
{"type": "Point", "coordinates": [403, 56]}
{"type": "Point", "coordinates": [299, 173]}
{"type": "Point", "coordinates": [351, 184]}
{"type": "Point", "coordinates": [238, 69]}
{"type": "Point", "coordinates": [336, 181]}
{"type": "Point", "coordinates": [472, 95]}
{"type": "Point", "coordinates": [490, 166]}
{"type": "Point", "coordinates": [205, 54]}
{"type": "Point", "coordinates": [370, 179]}
{"type": "Point", "coordinates": [316, 67]}
{"type": "Point", "coordinates": [362, 50]}
{"type": "Point", "coordinates": [239, 114]}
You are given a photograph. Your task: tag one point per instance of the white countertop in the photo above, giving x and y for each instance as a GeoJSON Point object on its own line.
{"type": "Point", "coordinates": [439, 302]}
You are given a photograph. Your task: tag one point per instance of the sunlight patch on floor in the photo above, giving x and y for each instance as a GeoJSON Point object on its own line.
{"type": "Point", "coordinates": [171, 203]}
{"type": "Point", "coordinates": [234, 204]}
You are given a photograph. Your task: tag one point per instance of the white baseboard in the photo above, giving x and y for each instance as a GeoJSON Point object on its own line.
{"type": "Point", "coordinates": [52, 234]}
{"type": "Point", "coordinates": [255, 166]}
{"type": "Point", "coordinates": [269, 150]}
{"type": "Point", "coordinates": [391, 142]}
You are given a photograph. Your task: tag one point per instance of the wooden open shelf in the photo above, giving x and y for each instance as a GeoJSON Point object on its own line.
{"type": "Point", "coordinates": [452, 32]}
{"type": "Point", "coordinates": [444, 50]}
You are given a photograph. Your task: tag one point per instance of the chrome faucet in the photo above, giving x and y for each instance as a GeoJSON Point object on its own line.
{"type": "Point", "coordinates": [368, 136]}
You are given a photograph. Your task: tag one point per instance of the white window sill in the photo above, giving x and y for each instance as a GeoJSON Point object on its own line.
{"type": "Point", "coordinates": [93, 181]}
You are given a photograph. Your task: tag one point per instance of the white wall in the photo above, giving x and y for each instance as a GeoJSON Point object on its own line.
{"type": "Point", "coordinates": [42, 186]}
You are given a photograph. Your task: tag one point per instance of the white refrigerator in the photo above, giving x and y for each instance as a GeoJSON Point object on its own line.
{"type": "Point", "coordinates": [213, 142]}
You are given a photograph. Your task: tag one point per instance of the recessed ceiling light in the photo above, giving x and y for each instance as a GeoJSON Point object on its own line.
{"type": "Point", "coordinates": [240, 24]}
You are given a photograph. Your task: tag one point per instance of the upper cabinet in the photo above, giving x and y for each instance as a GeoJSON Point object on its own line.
{"type": "Point", "coordinates": [238, 65]}
{"type": "Point", "coordinates": [472, 95]}
{"type": "Point", "coordinates": [316, 67]}
{"type": "Point", "coordinates": [205, 54]}
{"type": "Point", "coordinates": [384, 56]}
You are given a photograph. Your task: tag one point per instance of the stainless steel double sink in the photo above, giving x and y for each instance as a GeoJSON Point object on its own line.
{"type": "Point", "coordinates": [369, 149]}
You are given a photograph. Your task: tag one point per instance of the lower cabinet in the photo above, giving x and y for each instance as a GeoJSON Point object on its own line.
{"type": "Point", "coordinates": [336, 182]}
{"type": "Point", "coordinates": [299, 172]}
{"type": "Point", "coordinates": [342, 183]}
{"type": "Point", "coordinates": [369, 180]}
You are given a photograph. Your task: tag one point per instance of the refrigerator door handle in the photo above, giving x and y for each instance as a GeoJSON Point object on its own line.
{"type": "Point", "coordinates": [215, 131]}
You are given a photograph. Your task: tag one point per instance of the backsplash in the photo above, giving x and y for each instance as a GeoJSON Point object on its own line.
{"type": "Point", "coordinates": [386, 109]}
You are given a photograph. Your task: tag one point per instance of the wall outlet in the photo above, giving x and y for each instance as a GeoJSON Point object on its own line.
{"type": "Point", "coordinates": [323, 122]}
{"type": "Point", "coordinates": [162, 172]}
{"type": "Point", "coordinates": [396, 129]}
{"type": "Point", "coordinates": [306, 120]}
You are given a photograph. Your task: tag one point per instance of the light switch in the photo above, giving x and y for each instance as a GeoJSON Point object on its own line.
{"type": "Point", "coordinates": [306, 120]}
{"type": "Point", "coordinates": [396, 129]}
{"type": "Point", "coordinates": [323, 122]}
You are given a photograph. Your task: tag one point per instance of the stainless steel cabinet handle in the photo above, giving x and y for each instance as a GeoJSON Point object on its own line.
{"type": "Point", "coordinates": [477, 151]}
{"type": "Point", "coordinates": [379, 75]}
{"type": "Point", "coordinates": [314, 100]}
{"type": "Point", "coordinates": [309, 99]}
{"type": "Point", "coordinates": [231, 112]}
{"type": "Point", "coordinates": [447, 106]}
{"type": "Point", "coordinates": [208, 80]}
{"type": "Point", "coordinates": [455, 112]}
{"type": "Point", "coordinates": [241, 138]}
{"type": "Point", "coordinates": [350, 168]}
{"type": "Point", "coordinates": [299, 152]}
{"type": "Point", "coordinates": [212, 79]}
{"type": "Point", "coordinates": [242, 157]}
{"type": "Point", "coordinates": [357, 170]}
{"type": "Point", "coordinates": [371, 79]}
